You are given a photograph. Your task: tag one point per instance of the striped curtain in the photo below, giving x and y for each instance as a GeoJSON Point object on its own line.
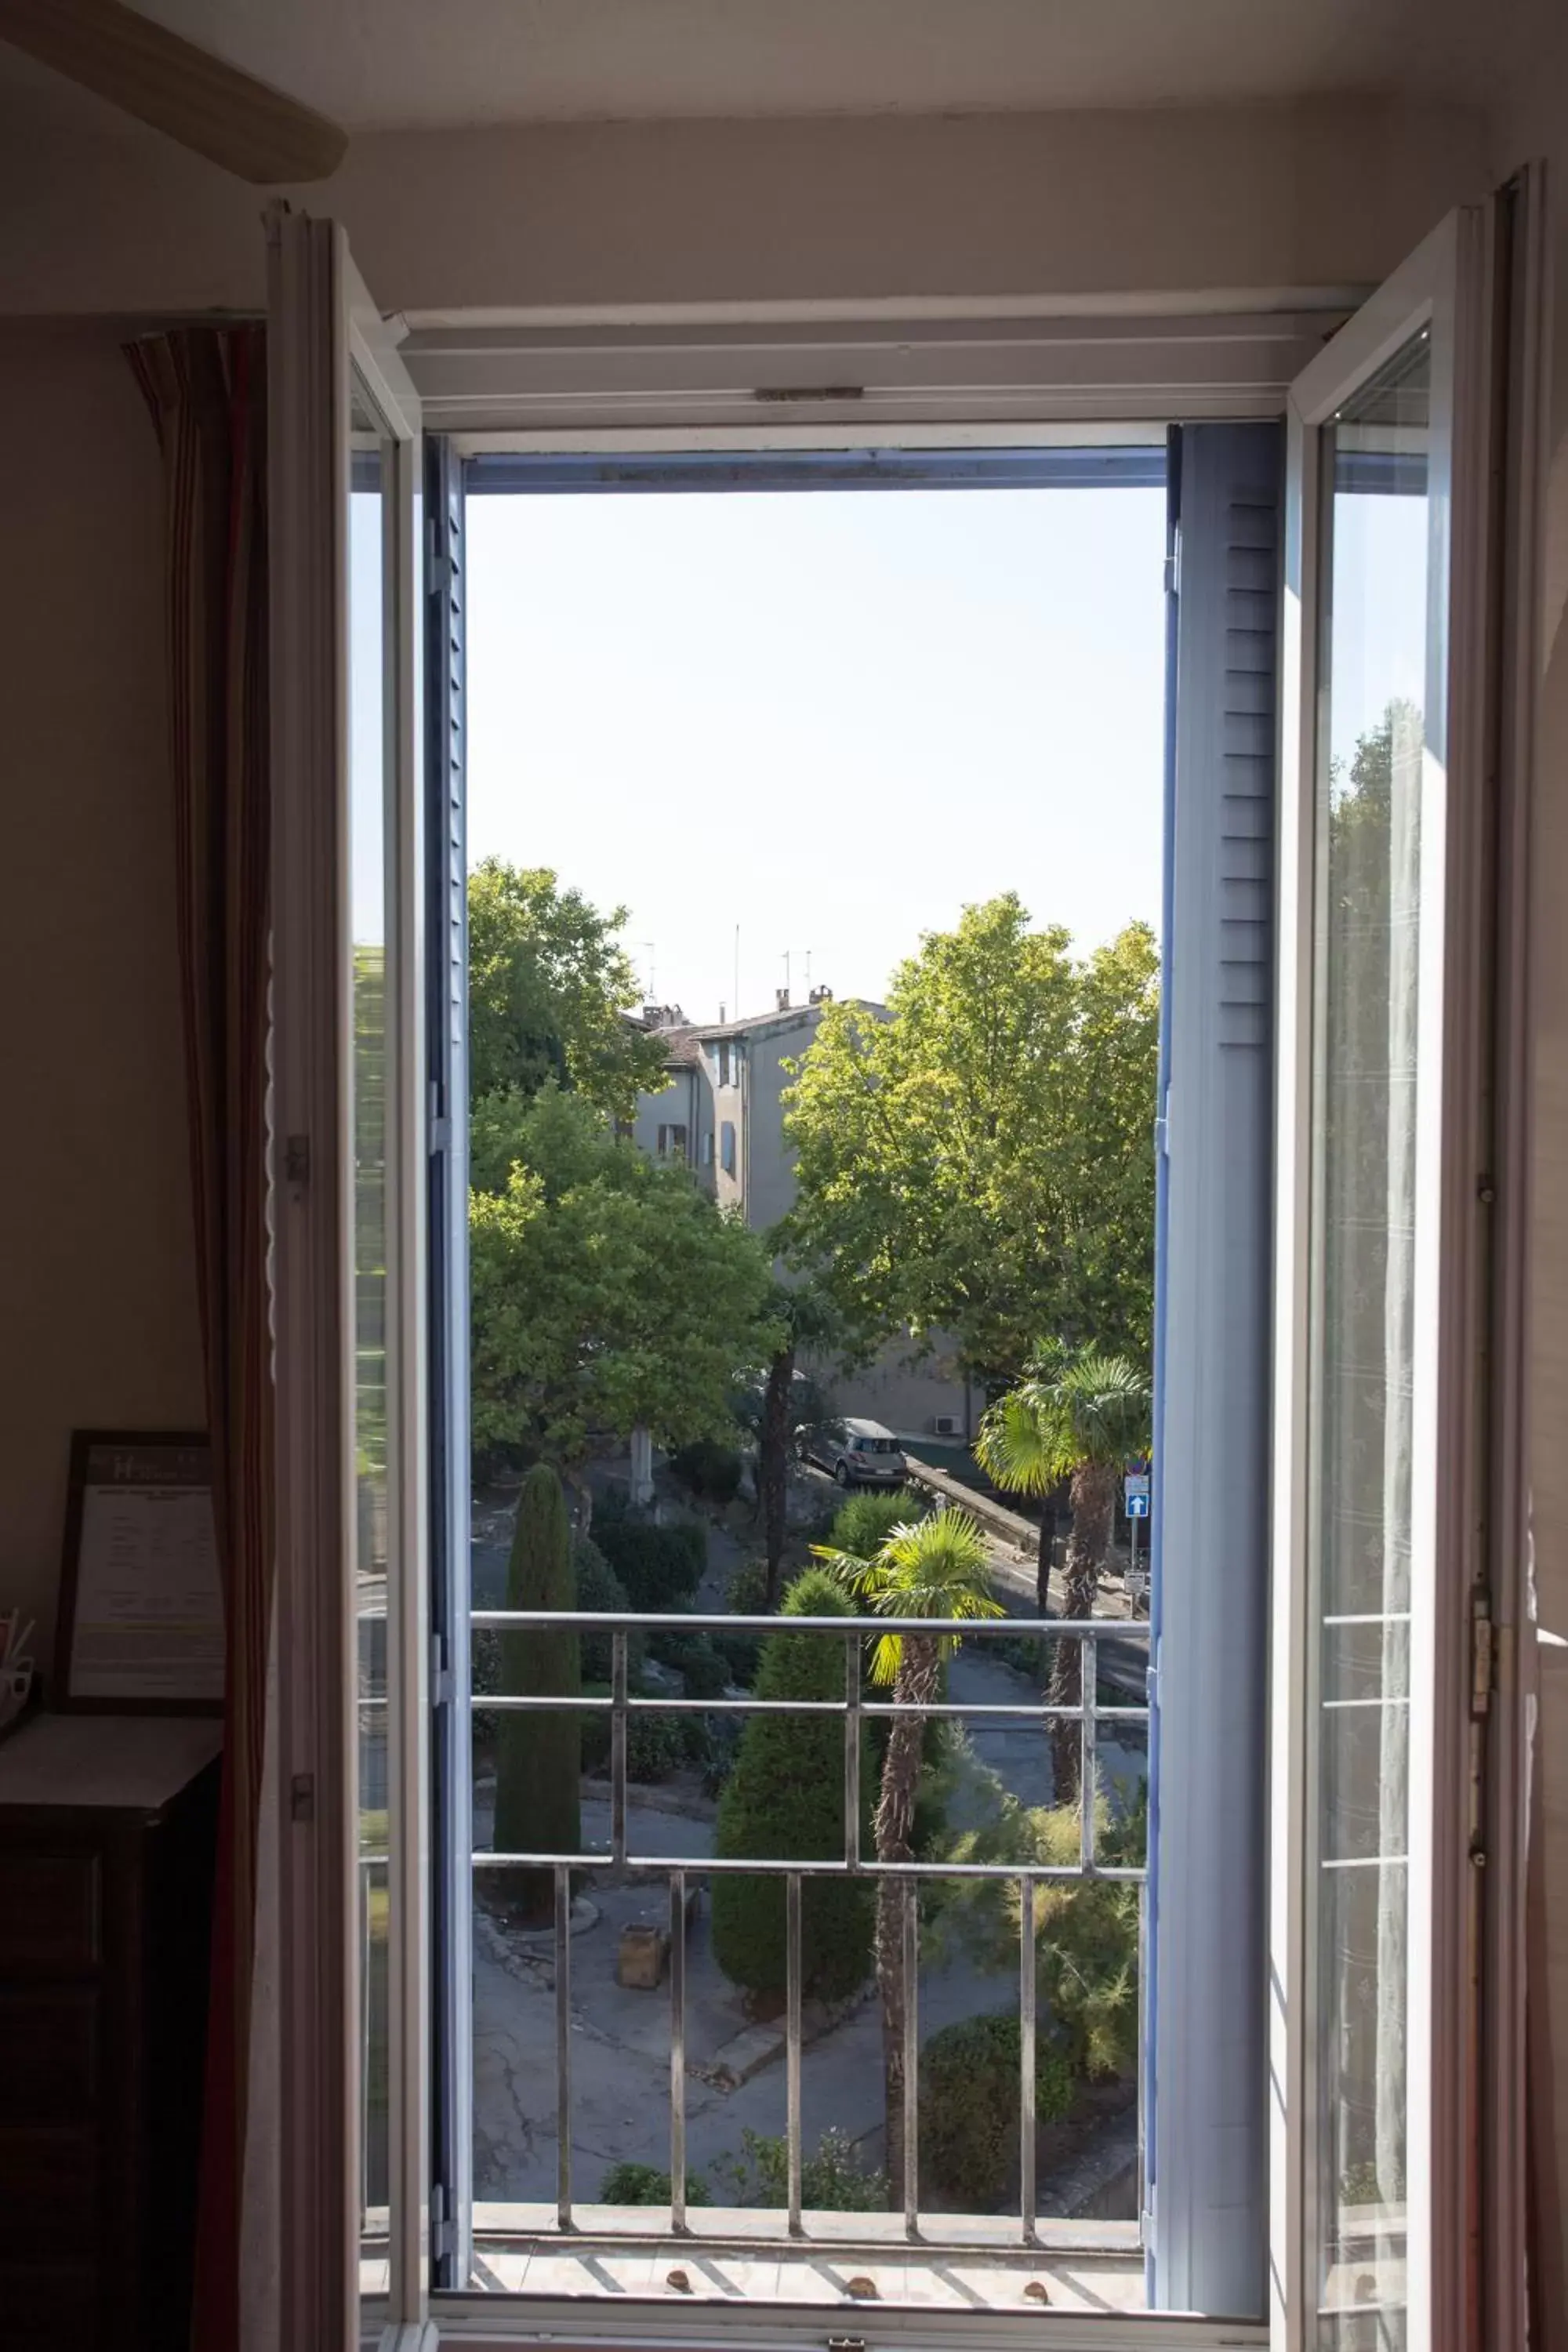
{"type": "Point", "coordinates": [205, 387]}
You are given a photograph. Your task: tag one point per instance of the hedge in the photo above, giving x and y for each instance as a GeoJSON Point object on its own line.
{"type": "Point", "coordinates": [783, 1802]}
{"type": "Point", "coordinates": [538, 1755]}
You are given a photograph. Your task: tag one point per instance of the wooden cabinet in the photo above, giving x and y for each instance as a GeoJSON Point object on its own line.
{"type": "Point", "coordinates": [106, 1865]}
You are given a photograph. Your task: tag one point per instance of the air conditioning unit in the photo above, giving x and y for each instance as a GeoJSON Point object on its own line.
{"type": "Point", "coordinates": [947, 1425]}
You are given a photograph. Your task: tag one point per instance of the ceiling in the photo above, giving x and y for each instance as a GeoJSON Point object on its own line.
{"type": "Point", "coordinates": [387, 64]}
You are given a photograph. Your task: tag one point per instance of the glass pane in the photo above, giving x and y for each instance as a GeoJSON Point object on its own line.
{"type": "Point", "coordinates": [1372, 733]}
{"type": "Point", "coordinates": [368, 890]}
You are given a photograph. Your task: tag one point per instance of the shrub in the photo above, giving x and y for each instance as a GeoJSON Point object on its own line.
{"type": "Point", "coordinates": [746, 1594]}
{"type": "Point", "coordinates": [969, 2104]}
{"type": "Point", "coordinates": [538, 1756]}
{"type": "Point", "coordinates": [832, 2180]}
{"type": "Point", "coordinates": [598, 1587]}
{"type": "Point", "coordinates": [709, 1469]}
{"type": "Point", "coordinates": [703, 1669]}
{"type": "Point", "coordinates": [644, 2184]}
{"type": "Point", "coordinates": [657, 1745]}
{"type": "Point", "coordinates": [1087, 1938]}
{"type": "Point", "coordinates": [784, 1800]}
{"type": "Point", "coordinates": [660, 1568]}
{"type": "Point", "coordinates": [863, 1523]}
{"type": "Point", "coordinates": [1086, 1930]}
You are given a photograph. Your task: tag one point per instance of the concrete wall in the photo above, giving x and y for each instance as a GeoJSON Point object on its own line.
{"type": "Point", "coordinates": [685, 1101]}
{"type": "Point", "coordinates": [97, 1278]}
{"type": "Point", "coordinates": [769, 1175]}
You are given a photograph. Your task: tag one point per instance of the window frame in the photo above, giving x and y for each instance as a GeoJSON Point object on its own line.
{"type": "Point", "coordinates": [1461, 284]}
{"type": "Point", "coordinates": [308, 2159]}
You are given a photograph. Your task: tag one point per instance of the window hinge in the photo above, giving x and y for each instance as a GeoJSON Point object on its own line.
{"type": "Point", "coordinates": [1482, 1646]}
{"type": "Point", "coordinates": [441, 1672]}
{"type": "Point", "coordinates": [1170, 575]}
{"type": "Point", "coordinates": [442, 2235]}
{"type": "Point", "coordinates": [1162, 1128]}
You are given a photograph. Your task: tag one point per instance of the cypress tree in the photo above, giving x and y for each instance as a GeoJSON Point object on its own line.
{"type": "Point", "coordinates": [539, 1753]}
{"type": "Point", "coordinates": [785, 1802]}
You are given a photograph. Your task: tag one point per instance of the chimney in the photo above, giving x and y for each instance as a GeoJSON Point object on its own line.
{"type": "Point", "coordinates": [780, 1000]}
{"type": "Point", "coordinates": [821, 996]}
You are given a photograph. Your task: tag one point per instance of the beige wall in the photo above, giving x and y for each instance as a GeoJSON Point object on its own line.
{"type": "Point", "coordinates": [97, 1299]}
{"type": "Point", "coordinates": [1329, 192]}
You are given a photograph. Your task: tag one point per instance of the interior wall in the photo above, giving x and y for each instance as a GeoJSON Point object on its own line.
{"type": "Point", "coordinates": [1321, 192]}
{"type": "Point", "coordinates": [97, 1281]}
{"type": "Point", "coordinates": [1536, 127]}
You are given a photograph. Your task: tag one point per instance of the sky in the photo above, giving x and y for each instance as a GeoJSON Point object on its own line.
{"type": "Point", "coordinates": [831, 718]}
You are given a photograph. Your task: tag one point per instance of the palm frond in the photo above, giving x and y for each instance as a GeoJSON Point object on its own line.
{"type": "Point", "coordinates": [926, 1568]}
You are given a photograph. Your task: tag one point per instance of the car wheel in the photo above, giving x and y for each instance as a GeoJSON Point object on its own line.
{"type": "Point", "coordinates": [841, 1474]}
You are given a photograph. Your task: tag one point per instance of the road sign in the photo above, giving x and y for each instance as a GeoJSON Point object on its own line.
{"type": "Point", "coordinates": [1137, 1506]}
{"type": "Point", "coordinates": [1134, 1489]}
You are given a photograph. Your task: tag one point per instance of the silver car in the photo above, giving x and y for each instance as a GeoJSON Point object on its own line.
{"type": "Point", "coordinates": [854, 1451]}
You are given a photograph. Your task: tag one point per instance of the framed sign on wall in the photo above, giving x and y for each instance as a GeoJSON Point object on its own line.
{"type": "Point", "coordinates": [141, 1628]}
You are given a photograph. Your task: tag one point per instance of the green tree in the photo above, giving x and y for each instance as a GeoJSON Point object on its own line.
{"type": "Point", "coordinates": [785, 1802]}
{"type": "Point", "coordinates": [549, 992]}
{"type": "Point", "coordinates": [935, 1569]}
{"type": "Point", "coordinates": [806, 1320]}
{"type": "Point", "coordinates": [609, 1293]}
{"type": "Point", "coordinates": [980, 1161]}
{"type": "Point", "coordinates": [539, 1751]}
{"type": "Point", "coordinates": [1076, 1415]}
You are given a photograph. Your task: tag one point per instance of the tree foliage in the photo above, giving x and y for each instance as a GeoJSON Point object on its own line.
{"type": "Point", "coordinates": [549, 991]}
{"type": "Point", "coordinates": [607, 1293]}
{"type": "Point", "coordinates": [980, 1161]}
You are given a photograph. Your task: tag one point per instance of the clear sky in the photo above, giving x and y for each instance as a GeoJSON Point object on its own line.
{"type": "Point", "coordinates": [831, 717]}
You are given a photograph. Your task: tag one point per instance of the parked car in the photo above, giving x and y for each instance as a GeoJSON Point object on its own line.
{"type": "Point", "coordinates": [853, 1450]}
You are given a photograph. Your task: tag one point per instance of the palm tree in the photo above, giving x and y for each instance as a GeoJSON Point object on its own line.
{"type": "Point", "coordinates": [929, 1567]}
{"type": "Point", "coordinates": [1076, 1416]}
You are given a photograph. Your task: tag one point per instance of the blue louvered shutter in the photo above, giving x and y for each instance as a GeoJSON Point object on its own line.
{"type": "Point", "coordinates": [1208, 2156]}
{"type": "Point", "coordinates": [446, 1011]}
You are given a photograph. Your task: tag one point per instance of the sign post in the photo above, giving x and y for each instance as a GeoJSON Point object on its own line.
{"type": "Point", "coordinates": [1135, 1503]}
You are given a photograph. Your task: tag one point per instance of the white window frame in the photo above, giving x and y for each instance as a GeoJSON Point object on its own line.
{"type": "Point", "coordinates": [1141, 380]}
{"type": "Point", "coordinates": [324, 333]}
{"type": "Point", "coordinates": [1467, 1470]}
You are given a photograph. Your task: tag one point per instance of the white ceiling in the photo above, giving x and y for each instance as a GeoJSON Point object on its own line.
{"type": "Point", "coordinates": [385, 64]}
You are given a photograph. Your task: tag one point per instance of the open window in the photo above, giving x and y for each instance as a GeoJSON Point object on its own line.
{"type": "Point", "coordinates": [1337, 1177]}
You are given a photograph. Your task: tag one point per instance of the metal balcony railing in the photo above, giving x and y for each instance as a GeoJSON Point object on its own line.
{"type": "Point", "coordinates": [854, 1709]}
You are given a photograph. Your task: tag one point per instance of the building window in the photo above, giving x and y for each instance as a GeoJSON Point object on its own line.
{"type": "Point", "coordinates": [672, 1143]}
{"type": "Point", "coordinates": [727, 1133]}
{"type": "Point", "coordinates": [723, 1061]}
{"type": "Point", "coordinates": [707, 1147]}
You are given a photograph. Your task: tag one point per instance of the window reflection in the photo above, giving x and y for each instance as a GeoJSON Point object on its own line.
{"type": "Point", "coordinates": [368, 1078]}
{"type": "Point", "coordinates": [1374, 657]}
